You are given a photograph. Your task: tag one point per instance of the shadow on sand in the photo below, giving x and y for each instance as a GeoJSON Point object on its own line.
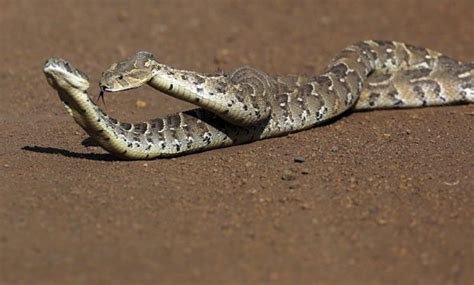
{"type": "Point", "coordinates": [71, 154]}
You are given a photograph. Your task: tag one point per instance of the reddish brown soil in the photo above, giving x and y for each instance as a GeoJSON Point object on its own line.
{"type": "Point", "coordinates": [382, 197]}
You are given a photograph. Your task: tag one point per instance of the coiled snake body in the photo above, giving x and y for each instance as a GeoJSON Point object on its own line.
{"type": "Point", "coordinates": [246, 104]}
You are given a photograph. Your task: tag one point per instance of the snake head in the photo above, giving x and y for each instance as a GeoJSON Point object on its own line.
{"type": "Point", "coordinates": [128, 74]}
{"type": "Point", "coordinates": [61, 73]}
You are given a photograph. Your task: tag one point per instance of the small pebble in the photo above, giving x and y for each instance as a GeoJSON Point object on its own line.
{"type": "Point", "coordinates": [140, 104]}
{"type": "Point", "coordinates": [288, 175]}
{"type": "Point", "coordinates": [293, 185]}
{"type": "Point", "coordinates": [299, 159]}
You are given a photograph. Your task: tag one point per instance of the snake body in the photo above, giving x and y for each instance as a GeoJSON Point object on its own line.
{"type": "Point", "coordinates": [247, 104]}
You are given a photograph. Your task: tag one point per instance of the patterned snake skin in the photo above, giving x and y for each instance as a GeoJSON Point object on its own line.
{"type": "Point", "coordinates": [247, 104]}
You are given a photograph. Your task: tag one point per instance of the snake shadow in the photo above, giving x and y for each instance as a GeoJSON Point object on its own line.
{"type": "Point", "coordinates": [71, 154]}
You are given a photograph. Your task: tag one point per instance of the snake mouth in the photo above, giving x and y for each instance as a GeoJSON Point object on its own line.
{"type": "Point", "coordinates": [108, 88]}
{"type": "Point", "coordinates": [105, 88]}
{"type": "Point", "coordinates": [58, 68]}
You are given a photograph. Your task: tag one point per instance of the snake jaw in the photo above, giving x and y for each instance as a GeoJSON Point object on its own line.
{"type": "Point", "coordinates": [131, 73]}
{"type": "Point", "coordinates": [59, 71]}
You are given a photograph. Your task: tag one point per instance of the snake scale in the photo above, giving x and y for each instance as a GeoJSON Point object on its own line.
{"type": "Point", "coordinates": [247, 104]}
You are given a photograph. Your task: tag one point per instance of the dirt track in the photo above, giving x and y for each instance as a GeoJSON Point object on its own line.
{"type": "Point", "coordinates": [381, 197]}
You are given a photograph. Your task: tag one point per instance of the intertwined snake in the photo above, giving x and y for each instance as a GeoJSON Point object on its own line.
{"type": "Point", "coordinates": [246, 104]}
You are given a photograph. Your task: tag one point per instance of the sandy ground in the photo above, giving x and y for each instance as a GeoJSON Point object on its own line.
{"type": "Point", "coordinates": [381, 197]}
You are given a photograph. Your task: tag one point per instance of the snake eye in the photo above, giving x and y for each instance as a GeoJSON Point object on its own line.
{"type": "Point", "coordinates": [120, 77]}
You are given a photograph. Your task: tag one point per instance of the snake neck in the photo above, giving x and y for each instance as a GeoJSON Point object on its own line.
{"type": "Point", "coordinates": [102, 128]}
{"type": "Point", "coordinates": [239, 97]}
{"type": "Point", "coordinates": [193, 87]}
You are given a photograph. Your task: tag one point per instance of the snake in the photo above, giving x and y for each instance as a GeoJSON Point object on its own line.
{"type": "Point", "coordinates": [247, 104]}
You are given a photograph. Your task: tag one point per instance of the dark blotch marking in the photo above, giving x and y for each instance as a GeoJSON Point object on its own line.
{"type": "Point", "coordinates": [437, 91]}
{"type": "Point", "coordinates": [416, 50]}
{"type": "Point", "coordinates": [417, 73]}
{"type": "Point", "coordinates": [339, 70]}
{"type": "Point", "coordinates": [257, 113]}
{"type": "Point", "coordinates": [393, 94]}
{"type": "Point", "coordinates": [126, 126]}
{"type": "Point", "coordinates": [446, 62]}
{"type": "Point", "coordinates": [306, 90]}
{"type": "Point", "coordinates": [220, 88]}
{"type": "Point", "coordinates": [380, 77]}
{"type": "Point", "coordinates": [68, 67]}
{"type": "Point", "coordinates": [199, 80]}
{"type": "Point", "coordinates": [140, 128]}
{"type": "Point", "coordinates": [173, 121]}
{"type": "Point", "coordinates": [324, 81]}
{"type": "Point", "coordinates": [157, 124]}
{"type": "Point", "coordinates": [384, 44]}
{"type": "Point", "coordinates": [373, 97]}
{"type": "Point", "coordinates": [368, 51]}
{"type": "Point", "coordinates": [419, 91]}
{"type": "Point", "coordinates": [282, 98]}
